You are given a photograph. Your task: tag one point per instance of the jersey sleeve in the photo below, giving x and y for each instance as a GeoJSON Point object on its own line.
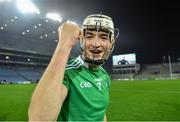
{"type": "Point", "coordinates": [66, 80]}
{"type": "Point", "coordinates": [107, 77]}
{"type": "Point", "coordinates": [108, 81]}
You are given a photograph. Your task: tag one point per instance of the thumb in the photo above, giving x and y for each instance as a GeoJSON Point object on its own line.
{"type": "Point", "coordinates": [80, 35]}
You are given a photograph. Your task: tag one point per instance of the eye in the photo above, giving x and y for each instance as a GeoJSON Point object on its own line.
{"type": "Point", "coordinates": [89, 36]}
{"type": "Point", "coordinates": [104, 37]}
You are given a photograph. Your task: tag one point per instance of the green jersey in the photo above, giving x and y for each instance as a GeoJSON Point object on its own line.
{"type": "Point", "coordinates": [88, 93]}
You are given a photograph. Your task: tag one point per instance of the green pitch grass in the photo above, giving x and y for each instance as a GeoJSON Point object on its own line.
{"type": "Point", "coordinates": [129, 100]}
{"type": "Point", "coordinates": [14, 101]}
{"type": "Point", "coordinates": [145, 100]}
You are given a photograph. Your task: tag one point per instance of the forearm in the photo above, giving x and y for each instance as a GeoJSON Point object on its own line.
{"type": "Point", "coordinates": [50, 92]}
{"type": "Point", "coordinates": [56, 67]}
{"type": "Point", "coordinates": [47, 97]}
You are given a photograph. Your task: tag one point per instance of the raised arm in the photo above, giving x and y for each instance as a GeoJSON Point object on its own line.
{"type": "Point", "coordinates": [50, 92]}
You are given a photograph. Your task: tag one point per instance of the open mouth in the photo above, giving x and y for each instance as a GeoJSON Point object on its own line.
{"type": "Point", "coordinates": [96, 54]}
{"type": "Point", "coordinates": [95, 51]}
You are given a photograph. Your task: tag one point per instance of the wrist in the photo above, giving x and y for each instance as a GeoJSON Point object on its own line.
{"type": "Point", "coordinates": [61, 55]}
{"type": "Point", "coordinates": [63, 49]}
{"type": "Point", "coordinates": [65, 44]}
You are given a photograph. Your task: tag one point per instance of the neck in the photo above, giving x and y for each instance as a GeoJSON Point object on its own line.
{"type": "Point", "coordinates": [89, 65]}
{"type": "Point", "coordinates": [92, 66]}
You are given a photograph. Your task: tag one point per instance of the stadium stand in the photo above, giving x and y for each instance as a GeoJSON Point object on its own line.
{"type": "Point", "coordinates": [16, 74]}
{"type": "Point", "coordinates": [26, 44]}
{"type": "Point", "coordinates": [150, 71]}
{"type": "Point", "coordinates": [18, 69]}
{"type": "Point", "coordinates": [18, 66]}
{"type": "Point", "coordinates": [9, 76]}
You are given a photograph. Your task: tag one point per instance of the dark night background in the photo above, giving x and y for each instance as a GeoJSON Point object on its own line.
{"type": "Point", "coordinates": [150, 28]}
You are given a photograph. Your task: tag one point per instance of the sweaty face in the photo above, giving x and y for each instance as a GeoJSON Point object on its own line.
{"type": "Point", "coordinates": [96, 43]}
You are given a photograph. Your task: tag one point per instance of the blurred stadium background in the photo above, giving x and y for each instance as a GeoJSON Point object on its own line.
{"type": "Point", "coordinates": [27, 42]}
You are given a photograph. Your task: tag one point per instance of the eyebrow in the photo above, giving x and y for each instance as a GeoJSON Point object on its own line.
{"type": "Point", "coordinates": [102, 34]}
{"type": "Point", "coordinates": [100, 30]}
{"type": "Point", "coordinates": [90, 33]}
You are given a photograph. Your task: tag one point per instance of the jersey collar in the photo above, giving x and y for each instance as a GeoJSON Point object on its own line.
{"type": "Point", "coordinates": [86, 64]}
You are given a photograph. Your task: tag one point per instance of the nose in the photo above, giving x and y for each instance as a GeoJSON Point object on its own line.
{"type": "Point", "coordinates": [96, 42]}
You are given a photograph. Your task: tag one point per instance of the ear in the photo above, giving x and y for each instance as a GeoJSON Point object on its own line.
{"type": "Point", "coordinates": [81, 43]}
{"type": "Point", "coordinates": [112, 44]}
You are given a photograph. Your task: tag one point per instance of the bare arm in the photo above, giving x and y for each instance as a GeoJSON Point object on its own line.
{"type": "Point", "coordinates": [50, 92]}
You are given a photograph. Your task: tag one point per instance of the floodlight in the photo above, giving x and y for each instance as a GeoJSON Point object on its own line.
{"type": "Point", "coordinates": [15, 17]}
{"type": "Point", "coordinates": [7, 57]}
{"type": "Point", "coordinates": [12, 20]}
{"type": "Point", "coordinates": [68, 21]}
{"type": "Point", "coordinates": [26, 6]}
{"type": "Point", "coordinates": [54, 16]}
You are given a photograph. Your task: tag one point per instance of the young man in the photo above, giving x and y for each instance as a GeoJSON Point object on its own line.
{"type": "Point", "coordinates": [79, 89]}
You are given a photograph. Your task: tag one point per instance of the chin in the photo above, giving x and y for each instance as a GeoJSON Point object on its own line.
{"type": "Point", "coordinates": [96, 58]}
{"type": "Point", "coordinates": [93, 56]}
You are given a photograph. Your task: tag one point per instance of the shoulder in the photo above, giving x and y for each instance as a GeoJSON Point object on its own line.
{"type": "Point", "coordinates": [106, 76]}
{"type": "Point", "coordinates": [74, 63]}
{"type": "Point", "coordinates": [103, 70]}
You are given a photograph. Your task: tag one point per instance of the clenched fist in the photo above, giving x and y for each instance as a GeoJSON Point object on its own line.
{"type": "Point", "coordinates": [69, 33]}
